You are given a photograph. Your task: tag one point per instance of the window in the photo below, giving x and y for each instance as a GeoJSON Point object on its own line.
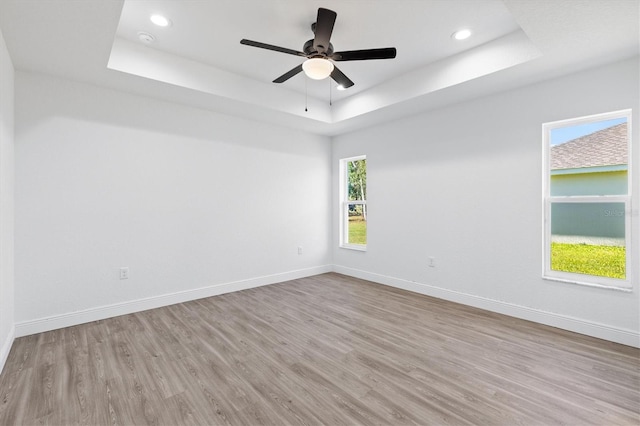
{"type": "Point", "coordinates": [587, 202]}
{"type": "Point", "coordinates": [353, 203]}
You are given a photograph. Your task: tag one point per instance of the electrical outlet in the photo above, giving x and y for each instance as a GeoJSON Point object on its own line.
{"type": "Point", "coordinates": [432, 262]}
{"type": "Point", "coordinates": [124, 273]}
{"type": "Point", "coordinates": [299, 249]}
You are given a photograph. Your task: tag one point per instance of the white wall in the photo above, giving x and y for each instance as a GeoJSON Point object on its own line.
{"type": "Point", "coordinates": [193, 202]}
{"type": "Point", "coordinates": [6, 201]}
{"type": "Point", "coordinates": [197, 203]}
{"type": "Point", "coordinates": [463, 184]}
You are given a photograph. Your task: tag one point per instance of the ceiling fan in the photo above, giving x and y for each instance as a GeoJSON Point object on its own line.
{"type": "Point", "coordinates": [320, 54]}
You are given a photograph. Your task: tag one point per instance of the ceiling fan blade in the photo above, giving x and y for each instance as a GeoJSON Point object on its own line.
{"type": "Point", "coordinates": [324, 28]}
{"type": "Point", "coordinates": [287, 75]}
{"type": "Point", "coordinates": [271, 47]}
{"type": "Point", "coordinates": [339, 77]}
{"type": "Point", "coordinates": [363, 55]}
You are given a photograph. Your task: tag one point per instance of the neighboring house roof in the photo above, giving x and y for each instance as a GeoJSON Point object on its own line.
{"type": "Point", "coordinates": [606, 147]}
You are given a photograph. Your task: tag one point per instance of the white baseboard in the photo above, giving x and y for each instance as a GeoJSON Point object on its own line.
{"type": "Point", "coordinates": [589, 328]}
{"type": "Point", "coordinates": [102, 312]}
{"type": "Point", "coordinates": [6, 347]}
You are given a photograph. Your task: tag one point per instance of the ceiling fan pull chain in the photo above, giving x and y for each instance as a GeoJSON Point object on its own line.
{"type": "Point", "coordinates": [306, 94]}
{"type": "Point", "coordinates": [330, 91]}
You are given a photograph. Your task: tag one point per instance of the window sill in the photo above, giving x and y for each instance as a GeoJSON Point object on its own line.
{"type": "Point", "coordinates": [356, 247]}
{"type": "Point", "coordinates": [586, 284]}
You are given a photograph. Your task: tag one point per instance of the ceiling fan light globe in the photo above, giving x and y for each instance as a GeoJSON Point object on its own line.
{"type": "Point", "coordinates": [317, 68]}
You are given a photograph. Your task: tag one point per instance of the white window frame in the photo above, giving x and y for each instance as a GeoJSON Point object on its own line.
{"type": "Point", "coordinates": [345, 202]}
{"type": "Point", "coordinates": [548, 200]}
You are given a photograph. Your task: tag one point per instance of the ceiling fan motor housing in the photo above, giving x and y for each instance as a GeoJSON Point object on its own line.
{"type": "Point", "coordinates": [310, 51]}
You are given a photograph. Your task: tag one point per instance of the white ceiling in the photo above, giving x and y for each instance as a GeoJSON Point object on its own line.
{"type": "Point", "coordinates": [199, 61]}
{"type": "Point", "coordinates": [209, 32]}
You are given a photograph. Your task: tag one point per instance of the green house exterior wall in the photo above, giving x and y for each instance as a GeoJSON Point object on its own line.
{"type": "Point", "coordinates": [608, 183]}
{"type": "Point", "coordinates": [589, 219]}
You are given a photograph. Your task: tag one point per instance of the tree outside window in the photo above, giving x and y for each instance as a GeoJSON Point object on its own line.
{"type": "Point", "coordinates": [354, 202]}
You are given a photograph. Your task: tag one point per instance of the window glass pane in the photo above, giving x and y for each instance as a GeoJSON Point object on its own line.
{"type": "Point", "coordinates": [357, 224]}
{"type": "Point", "coordinates": [353, 222]}
{"type": "Point", "coordinates": [357, 180]}
{"type": "Point", "coordinates": [589, 238]}
{"type": "Point", "coordinates": [589, 158]}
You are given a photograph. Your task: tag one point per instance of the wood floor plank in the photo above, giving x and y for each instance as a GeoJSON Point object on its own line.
{"type": "Point", "coordinates": [327, 349]}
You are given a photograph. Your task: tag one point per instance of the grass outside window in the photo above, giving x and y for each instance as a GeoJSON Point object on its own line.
{"type": "Point", "coordinates": [602, 261]}
{"type": "Point", "coordinates": [357, 230]}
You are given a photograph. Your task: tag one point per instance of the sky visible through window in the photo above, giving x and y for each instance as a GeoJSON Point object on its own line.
{"type": "Point", "coordinates": [564, 134]}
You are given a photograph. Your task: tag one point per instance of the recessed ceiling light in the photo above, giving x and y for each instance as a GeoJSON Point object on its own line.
{"type": "Point", "coordinates": [160, 20]}
{"type": "Point", "coordinates": [461, 34]}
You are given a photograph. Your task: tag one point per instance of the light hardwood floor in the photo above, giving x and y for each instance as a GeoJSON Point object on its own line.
{"type": "Point", "coordinates": [321, 350]}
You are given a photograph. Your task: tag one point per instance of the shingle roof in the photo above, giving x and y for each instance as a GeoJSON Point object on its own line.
{"type": "Point", "coordinates": [606, 147]}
